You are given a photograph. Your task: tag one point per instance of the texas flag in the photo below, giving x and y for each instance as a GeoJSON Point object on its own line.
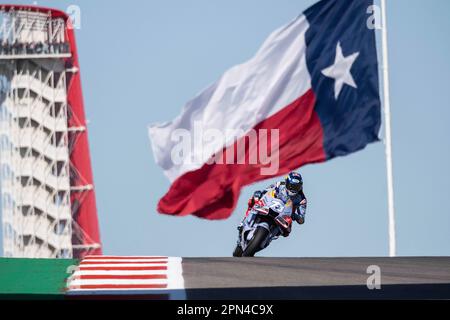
{"type": "Point", "coordinates": [308, 95]}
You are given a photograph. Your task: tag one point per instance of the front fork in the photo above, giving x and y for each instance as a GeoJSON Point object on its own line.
{"type": "Point", "coordinates": [241, 228]}
{"type": "Point", "coordinates": [248, 225]}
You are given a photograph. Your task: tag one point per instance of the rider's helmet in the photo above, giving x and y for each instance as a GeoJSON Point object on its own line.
{"type": "Point", "coordinates": [257, 195]}
{"type": "Point", "coordinates": [294, 183]}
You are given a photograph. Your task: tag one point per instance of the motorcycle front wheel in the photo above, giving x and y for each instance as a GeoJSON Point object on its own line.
{"type": "Point", "coordinates": [255, 243]}
{"type": "Point", "coordinates": [237, 251]}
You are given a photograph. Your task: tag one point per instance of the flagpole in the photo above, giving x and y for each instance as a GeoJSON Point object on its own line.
{"type": "Point", "coordinates": [387, 130]}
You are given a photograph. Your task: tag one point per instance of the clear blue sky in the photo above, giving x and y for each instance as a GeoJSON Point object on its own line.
{"type": "Point", "coordinates": [142, 60]}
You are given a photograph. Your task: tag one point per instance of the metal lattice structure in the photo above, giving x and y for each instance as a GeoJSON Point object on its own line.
{"type": "Point", "coordinates": [48, 201]}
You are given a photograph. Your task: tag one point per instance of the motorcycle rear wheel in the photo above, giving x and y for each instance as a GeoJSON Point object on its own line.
{"type": "Point", "coordinates": [255, 243]}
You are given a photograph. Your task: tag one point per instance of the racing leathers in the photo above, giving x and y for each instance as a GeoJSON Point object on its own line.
{"type": "Point", "coordinates": [298, 200]}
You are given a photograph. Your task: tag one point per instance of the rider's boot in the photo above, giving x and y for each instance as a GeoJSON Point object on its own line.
{"type": "Point", "coordinates": [240, 227]}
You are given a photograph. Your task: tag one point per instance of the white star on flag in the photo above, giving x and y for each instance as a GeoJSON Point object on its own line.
{"type": "Point", "coordinates": [340, 70]}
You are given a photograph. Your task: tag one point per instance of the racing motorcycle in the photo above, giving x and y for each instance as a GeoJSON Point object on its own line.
{"type": "Point", "coordinates": [267, 220]}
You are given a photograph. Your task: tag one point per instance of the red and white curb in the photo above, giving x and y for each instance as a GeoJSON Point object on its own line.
{"type": "Point", "coordinates": [128, 275]}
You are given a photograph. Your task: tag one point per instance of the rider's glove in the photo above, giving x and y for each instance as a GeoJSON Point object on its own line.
{"type": "Point", "coordinates": [300, 218]}
{"type": "Point", "coordinates": [300, 212]}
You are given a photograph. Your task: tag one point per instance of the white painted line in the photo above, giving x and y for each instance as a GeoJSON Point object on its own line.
{"type": "Point", "coordinates": [175, 273]}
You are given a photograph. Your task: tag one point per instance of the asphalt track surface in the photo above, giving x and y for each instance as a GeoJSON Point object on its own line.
{"type": "Point", "coordinates": [305, 278]}
{"type": "Point", "coordinates": [316, 278]}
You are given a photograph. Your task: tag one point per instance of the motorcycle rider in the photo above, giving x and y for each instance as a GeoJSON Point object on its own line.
{"type": "Point", "coordinates": [289, 189]}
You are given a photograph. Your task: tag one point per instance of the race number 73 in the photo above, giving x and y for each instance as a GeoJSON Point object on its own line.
{"type": "Point", "coordinates": [276, 206]}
